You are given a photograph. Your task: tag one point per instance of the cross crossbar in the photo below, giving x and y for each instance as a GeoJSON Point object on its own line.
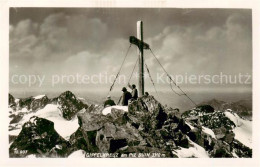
{"type": "Point", "coordinates": [138, 42]}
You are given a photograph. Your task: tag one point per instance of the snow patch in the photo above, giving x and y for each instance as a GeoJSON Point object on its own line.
{"type": "Point", "coordinates": [234, 154]}
{"type": "Point", "coordinates": [243, 129]}
{"type": "Point", "coordinates": [24, 110]}
{"type": "Point", "coordinates": [16, 100]}
{"type": "Point", "coordinates": [77, 154]}
{"type": "Point", "coordinates": [208, 131]}
{"type": "Point", "coordinates": [191, 127]}
{"type": "Point", "coordinates": [80, 98]}
{"type": "Point", "coordinates": [107, 110]}
{"type": "Point", "coordinates": [15, 132]}
{"type": "Point", "coordinates": [234, 118]}
{"type": "Point", "coordinates": [51, 112]}
{"type": "Point", "coordinates": [195, 151]}
{"type": "Point", "coordinates": [39, 97]}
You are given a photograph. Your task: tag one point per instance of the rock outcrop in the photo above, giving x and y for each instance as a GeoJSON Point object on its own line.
{"type": "Point", "coordinates": [11, 100]}
{"type": "Point", "coordinates": [39, 103]}
{"type": "Point", "coordinates": [38, 137]}
{"type": "Point", "coordinates": [69, 104]}
{"type": "Point", "coordinates": [222, 144]}
{"type": "Point", "coordinates": [147, 127]}
{"type": "Point", "coordinates": [208, 117]}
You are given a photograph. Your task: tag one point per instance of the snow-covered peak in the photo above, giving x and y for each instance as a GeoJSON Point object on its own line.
{"type": "Point", "coordinates": [51, 112]}
{"type": "Point", "coordinates": [39, 96]}
{"type": "Point", "coordinates": [234, 118]}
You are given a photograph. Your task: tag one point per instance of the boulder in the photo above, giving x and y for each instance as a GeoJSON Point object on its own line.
{"type": "Point", "coordinates": [89, 121]}
{"type": "Point", "coordinates": [121, 135]}
{"type": "Point", "coordinates": [108, 132]}
{"type": "Point", "coordinates": [148, 111]}
{"type": "Point", "coordinates": [137, 105]}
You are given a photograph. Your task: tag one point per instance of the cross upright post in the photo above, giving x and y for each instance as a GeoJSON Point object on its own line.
{"type": "Point", "coordinates": [141, 57]}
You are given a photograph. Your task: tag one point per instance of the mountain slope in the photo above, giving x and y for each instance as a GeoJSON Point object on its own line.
{"type": "Point", "coordinates": [51, 112]}
{"type": "Point", "coordinates": [145, 128]}
{"type": "Point", "coordinates": [224, 126]}
{"type": "Point", "coordinates": [243, 129]}
{"type": "Point", "coordinates": [38, 137]}
{"type": "Point", "coordinates": [61, 110]}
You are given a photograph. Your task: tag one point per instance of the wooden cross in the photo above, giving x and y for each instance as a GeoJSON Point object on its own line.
{"type": "Point", "coordinates": [141, 46]}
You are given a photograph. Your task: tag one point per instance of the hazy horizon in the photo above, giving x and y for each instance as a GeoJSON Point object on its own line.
{"type": "Point", "coordinates": [165, 97]}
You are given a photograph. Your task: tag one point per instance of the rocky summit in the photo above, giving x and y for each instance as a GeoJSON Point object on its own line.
{"type": "Point", "coordinates": [146, 129]}
{"type": "Point", "coordinates": [69, 104]}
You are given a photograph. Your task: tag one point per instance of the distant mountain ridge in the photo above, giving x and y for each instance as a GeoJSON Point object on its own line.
{"type": "Point", "coordinates": [67, 101]}
{"type": "Point", "coordinates": [242, 107]}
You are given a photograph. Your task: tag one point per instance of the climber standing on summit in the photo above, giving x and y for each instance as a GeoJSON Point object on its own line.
{"type": "Point", "coordinates": [109, 102]}
{"type": "Point", "coordinates": [134, 92]}
{"type": "Point", "coordinates": [125, 97]}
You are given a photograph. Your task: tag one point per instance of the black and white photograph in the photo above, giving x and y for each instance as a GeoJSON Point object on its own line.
{"type": "Point", "coordinates": [130, 82]}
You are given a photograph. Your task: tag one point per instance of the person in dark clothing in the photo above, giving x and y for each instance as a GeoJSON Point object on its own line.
{"type": "Point", "coordinates": [125, 97]}
{"type": "Point", "coordinates": [109, 102]}
{"type": "Point", "coordinates": [134, 92]}
{"type": "Point", "coordinates": [146, 94]}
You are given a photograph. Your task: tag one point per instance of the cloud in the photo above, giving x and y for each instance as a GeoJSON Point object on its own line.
{"type": "Point", "coordinates": [23, 28]}
{"type": "Point", "coordinates": [22, 38]}
{"type": "Point", "coordinates": [188, 49]}
{"type": "Point", "coordinates": [82, 63]}
{"type": "Point", "coordinates": [63, 43]}
{"type": "Point", "coordinates": [57, 37]}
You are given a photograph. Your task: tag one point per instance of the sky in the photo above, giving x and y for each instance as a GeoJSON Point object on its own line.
{"type": "Point", "coordinates": [86, 41]}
